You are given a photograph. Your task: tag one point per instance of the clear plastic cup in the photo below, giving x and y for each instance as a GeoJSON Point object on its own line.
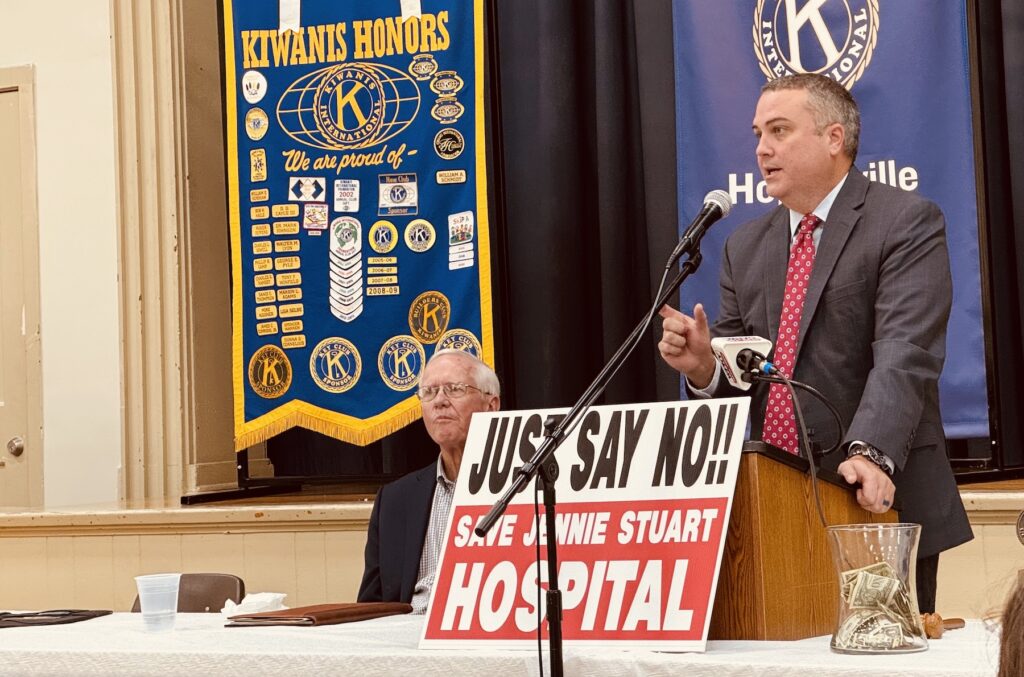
{"type": "Point", "coordinates": [158, 600]}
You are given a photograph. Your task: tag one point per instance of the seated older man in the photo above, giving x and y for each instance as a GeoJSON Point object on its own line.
{"type": "Point", "coordinates": [409, 515]}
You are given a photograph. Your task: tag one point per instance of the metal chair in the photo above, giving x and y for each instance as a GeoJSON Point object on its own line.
{"type": "Point", "coordinates": [206, 593]}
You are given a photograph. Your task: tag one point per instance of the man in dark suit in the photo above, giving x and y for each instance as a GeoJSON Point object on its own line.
{"type": "Point", "coordinates": [850, 281]}
{"type": "Point", "coordinates": [409, 515]}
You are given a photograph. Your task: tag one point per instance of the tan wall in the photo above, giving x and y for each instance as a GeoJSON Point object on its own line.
{"type": "Point", "coordinates": [313, 553]}
{"type": "Point", "coordinates": [975, 578]}
{"type": "Point", "coordinates": [68, 41]}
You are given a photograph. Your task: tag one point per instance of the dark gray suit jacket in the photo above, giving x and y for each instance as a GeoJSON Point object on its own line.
{"type": "Point", "coordinates": [872, 337]}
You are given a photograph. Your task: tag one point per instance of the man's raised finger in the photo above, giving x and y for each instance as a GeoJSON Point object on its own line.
{"type": "Point", "coordinates": [701, 318]}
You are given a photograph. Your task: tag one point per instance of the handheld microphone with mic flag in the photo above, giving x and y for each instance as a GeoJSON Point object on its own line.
{"type": "Point", "coordinates": [739, 355]}
{"type": "Point", "coordinates": [744, 363]}
{"type": "Point", "coordinates": [717, 205]}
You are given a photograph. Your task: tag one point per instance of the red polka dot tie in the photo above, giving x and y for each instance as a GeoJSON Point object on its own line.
{"type": "Point", "coordinates": [779, 419]}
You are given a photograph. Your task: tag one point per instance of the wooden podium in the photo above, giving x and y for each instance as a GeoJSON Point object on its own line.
{"type": "Point", "coordinates": [777, 580]}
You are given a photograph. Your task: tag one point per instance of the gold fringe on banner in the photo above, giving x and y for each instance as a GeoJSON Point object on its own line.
{"type": "Point", "coordinates": [332, 424]}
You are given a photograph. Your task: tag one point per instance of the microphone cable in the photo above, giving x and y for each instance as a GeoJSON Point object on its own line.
{"type": "Point", "coordinates": [831, 408]}
{"type": "Point", "coordinates": [805, 438]}
{"type": "Point", "coordinates": [762, 374]}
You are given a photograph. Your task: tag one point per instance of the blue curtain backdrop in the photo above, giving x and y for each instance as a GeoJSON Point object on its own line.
{"type": "Point", "coordinates": [906, 63]}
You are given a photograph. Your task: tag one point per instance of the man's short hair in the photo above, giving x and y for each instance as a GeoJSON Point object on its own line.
{"type": "Point", "coordinates": [829, 101]}
{"type": "Point", "coordinates": [486, 379]}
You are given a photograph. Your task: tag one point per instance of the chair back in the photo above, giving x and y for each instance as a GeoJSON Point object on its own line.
{"type": "Point", "coordinates": [206, 593]}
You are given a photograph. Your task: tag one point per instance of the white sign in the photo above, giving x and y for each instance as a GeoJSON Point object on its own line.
{"type": "Point", "coordinates": [644, 497]}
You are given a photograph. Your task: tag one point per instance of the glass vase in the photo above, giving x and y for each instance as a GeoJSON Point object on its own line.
{"type": "Point", "coordinates": [878, 610]}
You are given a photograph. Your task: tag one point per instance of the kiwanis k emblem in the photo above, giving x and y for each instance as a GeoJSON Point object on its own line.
{"type": "Point", "coordinates": [830, 37]}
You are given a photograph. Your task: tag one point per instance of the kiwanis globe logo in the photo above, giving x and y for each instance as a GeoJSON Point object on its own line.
{"type": "Point", "coordinates": [348, 106]}
{"type": "Point", "coordinates": [830, 37]}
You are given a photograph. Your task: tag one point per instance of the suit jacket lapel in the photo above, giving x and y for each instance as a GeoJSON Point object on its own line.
{"type": "Point", "coordinates": [777, 260]}
{"type": "Point", "coordinates": [842, 218]}
{"type": "Point", "coordinates": [416, 525]}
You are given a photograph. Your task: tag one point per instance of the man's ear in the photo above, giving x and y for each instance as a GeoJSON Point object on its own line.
{"type": "Point", "coordinates": [836, 138]}
{"type": "Point", "coordinates": [494, 404]}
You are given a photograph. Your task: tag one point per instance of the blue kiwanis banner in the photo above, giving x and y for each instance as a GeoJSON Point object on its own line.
{"type": "Point", "coordinates": [906, 64]}
{"type": "Point", "coordinates": [359, 228]}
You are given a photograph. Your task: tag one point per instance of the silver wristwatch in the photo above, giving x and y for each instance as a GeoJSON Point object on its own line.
{"type": "Point", "coordinates": [870, 453]}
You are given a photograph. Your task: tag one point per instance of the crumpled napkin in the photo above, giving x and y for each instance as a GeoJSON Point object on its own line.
{"type": "Point", "coordinates": [255, 603]}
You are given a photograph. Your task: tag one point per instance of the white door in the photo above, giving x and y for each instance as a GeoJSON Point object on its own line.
{"type": "Point", "coordinates": [21, 460]}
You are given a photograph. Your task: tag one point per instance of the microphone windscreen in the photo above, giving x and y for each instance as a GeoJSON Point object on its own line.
{"type": "Point", "coordinates": [720, 199]}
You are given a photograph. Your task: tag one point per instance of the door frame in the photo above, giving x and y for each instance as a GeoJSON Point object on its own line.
{"type": "Point", "coordinates": [22, 80]}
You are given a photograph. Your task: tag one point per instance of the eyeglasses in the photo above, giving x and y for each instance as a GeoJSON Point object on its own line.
{"type": "Point", "coordinates": [453, 390]}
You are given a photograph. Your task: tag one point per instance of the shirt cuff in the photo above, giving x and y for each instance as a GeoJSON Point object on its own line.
{"type": "Point", "coordinates": [709, 391]}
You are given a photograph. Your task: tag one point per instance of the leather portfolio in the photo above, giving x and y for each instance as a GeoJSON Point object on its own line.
{"type": "Point", "coordinates": [322, 614]}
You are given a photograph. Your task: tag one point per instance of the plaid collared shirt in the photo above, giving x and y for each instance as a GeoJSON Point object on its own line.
{"type": "Point", "coordinates": [439, 509]}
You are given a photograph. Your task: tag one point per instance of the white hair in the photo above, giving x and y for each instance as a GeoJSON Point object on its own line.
{"type": "Point", "coordinates": [486, 379]}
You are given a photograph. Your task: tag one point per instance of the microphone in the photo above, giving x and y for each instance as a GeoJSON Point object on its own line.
{"type": "Point", "coordinates": [740, 355]}
{"type": "Point", "coordinates": [717, 205]}
{"type": "Point", "coordinates": [755, 364]}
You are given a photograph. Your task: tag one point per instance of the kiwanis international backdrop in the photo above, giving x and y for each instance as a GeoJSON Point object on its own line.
{"type": "Point", "coordinates": [358, 207]}
{"type": "Point", "coordinates": [906, 64]}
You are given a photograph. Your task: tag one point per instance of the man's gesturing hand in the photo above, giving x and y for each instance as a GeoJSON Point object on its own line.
{"type": "Point", "coordinates": [686, 344]}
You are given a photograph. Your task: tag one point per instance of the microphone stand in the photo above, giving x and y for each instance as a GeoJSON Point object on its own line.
{"type": "Point", "coordinates": [544, 466]}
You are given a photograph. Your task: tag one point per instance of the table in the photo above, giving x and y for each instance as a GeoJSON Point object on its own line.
{"type": "Point", "coordinates": [199, 644]}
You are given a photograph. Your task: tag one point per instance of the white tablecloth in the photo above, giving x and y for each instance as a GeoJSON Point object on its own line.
{"type": "Point", "coordinates": [200, 645]}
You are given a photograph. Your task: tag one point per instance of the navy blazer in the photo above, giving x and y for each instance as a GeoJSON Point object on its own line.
{"type": "Point", "coordinates": [394, 540]}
